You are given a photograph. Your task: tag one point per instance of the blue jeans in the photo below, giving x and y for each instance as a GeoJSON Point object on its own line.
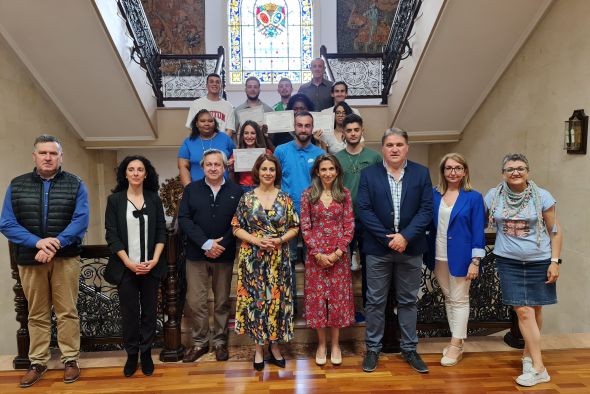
{"type": "Point", "coordinates": [406, 273]}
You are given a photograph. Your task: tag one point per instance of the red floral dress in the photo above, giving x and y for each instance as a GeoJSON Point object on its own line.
{"type": "Point", "coordinates": [329, 300]}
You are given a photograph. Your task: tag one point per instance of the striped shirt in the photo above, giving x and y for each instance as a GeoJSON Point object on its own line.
{"type": "Point", "coordinates": [396, 192]}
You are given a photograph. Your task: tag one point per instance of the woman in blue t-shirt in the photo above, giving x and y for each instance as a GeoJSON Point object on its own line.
{"type": "Point", "coordinates": [527, 249]}
{"type": "Point", "coordinates": [205, 135]}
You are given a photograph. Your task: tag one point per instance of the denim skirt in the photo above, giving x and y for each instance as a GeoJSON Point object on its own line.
{"type": "Point", "coordinates": [523, 282]}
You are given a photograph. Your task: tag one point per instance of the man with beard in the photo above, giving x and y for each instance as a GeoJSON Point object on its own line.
{"type": "Point", "coordinates": [296, 158]}
{"type": "Point", "coordinates": [220, 109]}
{"type": "Point", "coordinates": [252, 100]}
{"type": "Point", "coordinates": [285, 88]}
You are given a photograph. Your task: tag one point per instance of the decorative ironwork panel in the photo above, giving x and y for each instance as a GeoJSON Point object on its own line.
{"type": "Point", "coordinates": [185, 78]}
{"type": "Point", "coordinates": [398, 40]}
{"type": "Point", "coordinates": [363, 75]}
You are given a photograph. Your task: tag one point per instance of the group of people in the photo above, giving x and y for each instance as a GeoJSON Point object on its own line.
{"type": "Point", "coordinates": [295, 194]}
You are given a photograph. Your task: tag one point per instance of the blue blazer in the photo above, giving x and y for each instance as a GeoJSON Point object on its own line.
{"type": "Point", "coordinates": [465, 235]}
{"type": "Point", "coordinates": [376, 213]}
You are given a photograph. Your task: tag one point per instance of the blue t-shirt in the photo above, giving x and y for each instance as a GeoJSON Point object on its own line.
{"type": "Point", "coordinates": [192, 150]}
{"type": "Point", "coordinates": [516, 237]}
{"type": "Point", "coordinates": [296, 163]}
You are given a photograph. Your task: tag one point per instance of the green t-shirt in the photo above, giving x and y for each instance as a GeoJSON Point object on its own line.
{"type": "Point", "coordinates": [279, 106]}
{"type": "Point", "coordinates": [352, 165]}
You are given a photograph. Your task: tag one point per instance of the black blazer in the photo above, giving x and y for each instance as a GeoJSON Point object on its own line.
{"type": "Point", "coordinates": [376, 213]}
{"type": "Point", "coordinates": [116, 233]}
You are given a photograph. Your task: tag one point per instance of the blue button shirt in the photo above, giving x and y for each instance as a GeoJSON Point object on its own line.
{"type": "Point", "coordinates": [73, 233]}
{"type": "Point", "coordinates": [296, 163]}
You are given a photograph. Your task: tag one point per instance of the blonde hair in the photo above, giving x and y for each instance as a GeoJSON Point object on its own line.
{"type": "Point", "coordinates": [442, 181]}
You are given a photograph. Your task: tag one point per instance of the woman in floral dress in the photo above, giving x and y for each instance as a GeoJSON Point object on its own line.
{"type": "Point", "coordinates": [265, 221]}
{"type": "Point", "coordinates": [327, 224]}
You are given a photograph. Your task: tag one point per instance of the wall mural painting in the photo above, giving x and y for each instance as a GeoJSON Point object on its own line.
{"type": "Point", "coordinates": [363, 25]}
{"type": "Point", "coordinates": [178, 26]}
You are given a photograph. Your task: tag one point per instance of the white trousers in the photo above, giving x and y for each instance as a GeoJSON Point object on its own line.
{"type": "Point", "coordinates": [456, 292]}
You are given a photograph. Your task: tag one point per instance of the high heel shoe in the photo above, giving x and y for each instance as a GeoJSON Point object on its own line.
{"type": "Point", "coordinates": [336, 359]}
{"type": "Point", "coordinates": [320, 359]}
{"type": "Point", "coordinates": [279, 363]}
{"type": "Point", "coordinates": [258, 366]}
{"type": "Point", "coordinates": [449, 362]}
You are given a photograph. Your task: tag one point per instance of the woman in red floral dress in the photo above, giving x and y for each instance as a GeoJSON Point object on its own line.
{"type": "Point", "coordinates": [327, 224]}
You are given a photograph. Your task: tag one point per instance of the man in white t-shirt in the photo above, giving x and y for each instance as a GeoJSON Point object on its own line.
{"type": "Point", "coordinates": [219, 108]}
{"type": "Point", "coordinates": [339, 92]}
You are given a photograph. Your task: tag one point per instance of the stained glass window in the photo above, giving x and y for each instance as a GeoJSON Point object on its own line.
{"type": "Point", "coordinates": [270, 39]}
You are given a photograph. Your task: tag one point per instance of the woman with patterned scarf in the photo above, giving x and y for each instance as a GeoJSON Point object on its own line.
{"type": "Point", "coordinates": [528, 244]}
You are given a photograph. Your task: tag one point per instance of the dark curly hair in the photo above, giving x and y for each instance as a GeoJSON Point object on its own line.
{"type": "Point", "coordinates": [300, 97]}
{"type": "Point", "coordinates": [195, 132]}
{"type": "Point", "coordinates": [151, 181]}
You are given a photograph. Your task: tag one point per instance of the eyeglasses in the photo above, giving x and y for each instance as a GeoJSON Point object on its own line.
{"type": "Point", "coordinates": [456, 170]}
{"type": "Point", "coordinates": [511, 170]}
{"type": "Point", "coordinates": [340, 113]}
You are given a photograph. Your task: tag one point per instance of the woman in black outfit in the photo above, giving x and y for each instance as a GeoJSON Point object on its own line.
{"type": "Point", "coordinates": [136, 232]}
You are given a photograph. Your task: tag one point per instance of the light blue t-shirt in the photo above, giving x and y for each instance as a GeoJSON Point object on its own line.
{"type": "Point", "coordinates": [516, 237]}
{"type": "Point", "coordinates": [192, 150]}
{"type": "Point", "coordinates": [296, 163]}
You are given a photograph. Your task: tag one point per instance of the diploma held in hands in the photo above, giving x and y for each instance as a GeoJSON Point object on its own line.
{"type": "Point", "coordinates": [245, 158]}
{"type": "Point", "coordinates": [280, 121]}
{"type": "Point", "coordinates": [254, 113]}
{"type": "Point", "coordinates": [323, 121]}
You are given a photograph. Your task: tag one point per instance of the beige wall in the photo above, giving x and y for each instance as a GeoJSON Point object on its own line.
{"type": "Point", "coordinates": [26, 112]}
{"type": "Point", "coordinates": [525, 112]}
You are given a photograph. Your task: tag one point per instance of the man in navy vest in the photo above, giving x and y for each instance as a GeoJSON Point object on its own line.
{"type": "Point", "coordinates": [45, 215]}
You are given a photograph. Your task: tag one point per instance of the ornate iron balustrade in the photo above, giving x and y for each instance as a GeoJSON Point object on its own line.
{"type": "Point", "coordinates": [99, 308]}
{"type": "Point", "coordinates": [362, 72]}
{"type": "Point", "coordinates": [184, 77]}
{"type": "Point", "coordinates": [145, 50]}
{"type": "Point", "coordinates": [398, 47]}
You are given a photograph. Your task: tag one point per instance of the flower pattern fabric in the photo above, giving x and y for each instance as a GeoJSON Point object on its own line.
{"type": "Point", "coordinates": [329, 299]}
{"type": "Point", "coordinates": [264, 305]}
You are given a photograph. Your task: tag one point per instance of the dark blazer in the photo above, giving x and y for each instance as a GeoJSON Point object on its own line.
{"type": "Point", "coordinates": [116, 233]}
{"type": "Point", "coordinates": [201, 218]}
{"type": "Point", "coordinates": [465, 235]}
{"type": "Point", "coordinates": [376, 213]}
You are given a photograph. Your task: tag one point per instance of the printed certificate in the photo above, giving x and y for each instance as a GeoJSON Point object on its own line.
{"type": "Point", "coordinates": [244, 159]}
{"type": "Point", "coordinates": [279, 122]}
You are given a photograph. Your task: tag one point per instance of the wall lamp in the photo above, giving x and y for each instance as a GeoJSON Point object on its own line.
{"type": "Point", "coordinates": [575, 136]}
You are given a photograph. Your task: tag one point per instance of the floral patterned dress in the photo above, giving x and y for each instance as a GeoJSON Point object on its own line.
{"type": "Point", "coordinates": [329, 300]}
{"type": "Point", "coordinates": [264, 305]}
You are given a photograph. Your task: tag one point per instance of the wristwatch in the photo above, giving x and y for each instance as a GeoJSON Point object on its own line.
{"type": "Point", "coordinates": [556, 260]}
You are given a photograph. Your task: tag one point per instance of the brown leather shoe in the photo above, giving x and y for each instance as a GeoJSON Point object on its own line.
{"type": "Point", "coordinates": [71, 371]}
{"type": "Point", "coordinates": [194, 353]}
{"type": "Point", "coordinates": [33, 375]}
{"type": "Point", "coordinates": [221, 353]}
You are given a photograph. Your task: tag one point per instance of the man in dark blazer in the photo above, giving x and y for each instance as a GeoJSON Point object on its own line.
{"type": "Point", "coordinates": [395, 206]}
{"type": "Point", "coordinates": [206, 211]}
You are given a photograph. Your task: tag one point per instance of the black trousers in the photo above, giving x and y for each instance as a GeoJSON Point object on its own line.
{"type": "Point", "coordinates": [138, 297]}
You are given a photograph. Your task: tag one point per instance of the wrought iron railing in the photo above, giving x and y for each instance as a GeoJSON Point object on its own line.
{"type": "Point", "coordinates": [145, 50]}
{"type": "Point", "coordinates": [398, 47]}
{"type": "Point", "coordinates": [362, 72]}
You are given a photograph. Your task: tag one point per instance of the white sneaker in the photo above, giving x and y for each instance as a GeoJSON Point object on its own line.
{"type": "Point", "coordinates": [527, 365]}
{"type": "Point", "coordinates": [354, 262]}
{"type": "Point", "coordinates": [532, 378]}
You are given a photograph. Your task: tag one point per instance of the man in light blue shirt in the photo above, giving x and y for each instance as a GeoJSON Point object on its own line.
{"type": "Point", "coordinates": [296, 158]}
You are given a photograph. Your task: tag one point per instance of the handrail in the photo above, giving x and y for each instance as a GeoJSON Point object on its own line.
{"type": "Point", "coordinates": [393, 53]}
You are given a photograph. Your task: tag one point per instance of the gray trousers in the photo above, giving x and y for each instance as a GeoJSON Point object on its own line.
{"type": "Point", "coordinates": [406, 273]}
{"type": "Point", "coordinates": [197, 280]}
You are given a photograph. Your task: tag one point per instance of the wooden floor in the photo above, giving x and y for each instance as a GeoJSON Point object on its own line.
{"type": "Point", "coordinates": [477, 373]}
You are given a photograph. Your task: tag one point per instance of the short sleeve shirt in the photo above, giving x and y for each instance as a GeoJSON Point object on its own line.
{"type": "Point", "coordinates": [192, 150]}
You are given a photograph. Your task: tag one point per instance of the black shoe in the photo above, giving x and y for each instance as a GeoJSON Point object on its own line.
{"type": "Point", "coordinates": [370, 361]}
{"type": "Point", "coordinates": [147, 364]}
{"type": "Point", "coordinates": [258, 366]}
{"type": "Point", "coordinates": [413, 358]}
{"type": "Point", "coordinates": [130, 365]}
{"type": "Point", "coordinates": [279, 363]}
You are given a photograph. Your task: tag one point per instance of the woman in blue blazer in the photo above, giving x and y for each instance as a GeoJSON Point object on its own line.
{"type": "Point", "coordinates": [136, 233]}
{"type": "Point", "coordinates": [456, 246]}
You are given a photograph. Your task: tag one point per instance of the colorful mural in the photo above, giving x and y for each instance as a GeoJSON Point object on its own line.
{"type": "Point", "coordinates": [363, 25]}
{"type": "Point", "coordinates": [178, 26]}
